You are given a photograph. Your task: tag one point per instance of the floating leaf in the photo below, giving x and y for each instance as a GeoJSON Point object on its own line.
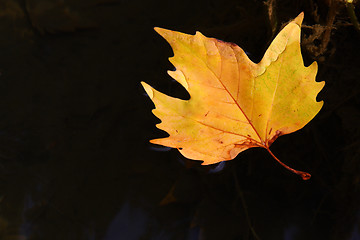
{"type": "Point", "coordinates": [235, 104]}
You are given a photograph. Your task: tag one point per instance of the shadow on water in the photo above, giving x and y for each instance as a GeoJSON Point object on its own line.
{"type": "Point", "coordinates": [75, 162]}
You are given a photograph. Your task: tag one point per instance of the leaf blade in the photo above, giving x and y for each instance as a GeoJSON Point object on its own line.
{"type": "Point", "coordinates": [234, 103]}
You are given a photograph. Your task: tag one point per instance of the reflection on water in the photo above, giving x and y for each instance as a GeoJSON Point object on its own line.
{"type": "Point", "coordinates": [158, 148]}
{"type": "Point", "coordinates": [219, 167]}
{"type": "Point", "coordinates": [129, 223]}
{"type": "Point", "coordinates": [290, 232]}
{"type": "Point", "coordinates": [26, 225]}
{"type": "Point", "coordinates": [355, 234]}
{"type": "Point", "coordinates": [132, 223]}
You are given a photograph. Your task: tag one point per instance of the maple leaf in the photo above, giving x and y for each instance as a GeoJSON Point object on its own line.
{"type": "Point", "coordinates": [235, 104]}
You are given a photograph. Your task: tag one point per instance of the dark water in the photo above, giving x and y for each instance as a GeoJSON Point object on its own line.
{"type": "Point", "coordinates": [75, 162]}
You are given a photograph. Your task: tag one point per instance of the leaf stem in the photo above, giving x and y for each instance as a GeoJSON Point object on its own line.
{"type": "Point", "coordinates": [303, 175]}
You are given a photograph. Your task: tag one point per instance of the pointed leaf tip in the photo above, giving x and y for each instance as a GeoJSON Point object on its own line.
{"type": "Point", "coordinates": [148, 90]}
{"type": "Point", "coordinates": [298, 20]}
{"type": "Point", "coordinates": [162, 31]}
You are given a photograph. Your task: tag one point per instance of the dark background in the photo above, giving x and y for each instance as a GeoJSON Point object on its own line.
{"type": "Point", "coordinates": [75, 162]}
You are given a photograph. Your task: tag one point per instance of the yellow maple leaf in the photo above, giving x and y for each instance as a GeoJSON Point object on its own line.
{"type": "Point", "coordinates": [235, 104]}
